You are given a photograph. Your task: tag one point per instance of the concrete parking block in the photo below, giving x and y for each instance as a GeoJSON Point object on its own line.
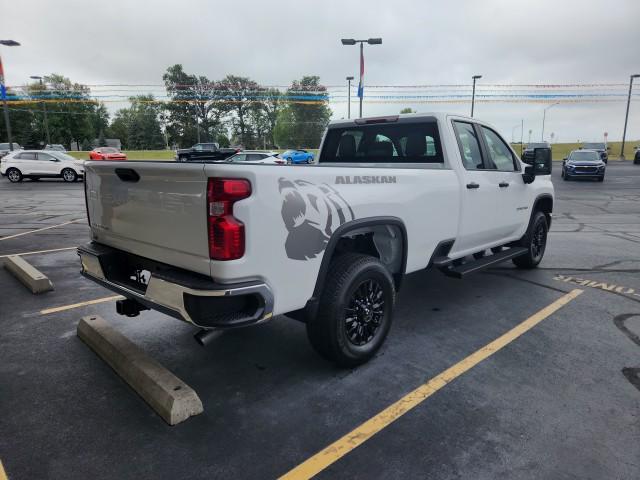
{"type": "Point", "coordinates": [169, 396]}
{"type": "Point", "coordinates": [31, 277]}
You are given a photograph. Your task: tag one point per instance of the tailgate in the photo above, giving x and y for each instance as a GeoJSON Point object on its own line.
{"type": "Point", "coordinates": [152, 209]}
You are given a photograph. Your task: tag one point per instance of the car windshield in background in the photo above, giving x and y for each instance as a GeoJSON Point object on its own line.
{"type": "Point", "coordinates": [594, 146]}
{"type": "Point", "coordinates": [109, 150]}
{"type": "Point", "coordinates": [538, 145]}
{"type": "Point", "coordinates": [589, 156]}
{"type": "Point", "coordinates": [384, 143]}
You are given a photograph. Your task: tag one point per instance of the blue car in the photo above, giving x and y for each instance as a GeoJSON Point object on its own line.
{"type": "Point", "coordinates": [583, 163]}
{"type": "Point", "coordinates": [297, 156]}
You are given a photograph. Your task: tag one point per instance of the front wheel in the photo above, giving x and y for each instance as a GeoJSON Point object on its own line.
{"type": "Point", "coordinates": [14, 175]}
{"type": "Point", "coordinates": [355, 310]}
{"type": "Point", "coordinates": [601, 178]}
{"type": "Point", "coordinates": [69, 175]}
{"type": "Point", "coordinates": [535, 241]}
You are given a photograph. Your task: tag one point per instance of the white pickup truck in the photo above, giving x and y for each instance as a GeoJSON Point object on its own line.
{"type": "Point", "coordinates": [230, 245]}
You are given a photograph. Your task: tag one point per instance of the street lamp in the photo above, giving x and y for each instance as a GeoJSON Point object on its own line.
{"type": "Point", "coordinates": [473, 94]}
{"type": "Point", "coordinates": [3, 92]}
{"type": "Point", "coordinates": [44, 108]}
{"type": "Point", "coordinates": [544, 115]}
{"type": "Point", "coordinates": [352, 41]}
{"type": "Point", "coordinates": [626, 117]}
{"type": "Point", "coordinates": [349, 96]}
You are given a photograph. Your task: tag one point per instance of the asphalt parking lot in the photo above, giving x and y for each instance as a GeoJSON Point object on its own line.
{"type": "Point", "coordinates": [560, 401]}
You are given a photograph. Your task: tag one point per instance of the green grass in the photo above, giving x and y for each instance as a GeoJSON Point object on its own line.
{"type": "Point", "coordinates": [560, 151]}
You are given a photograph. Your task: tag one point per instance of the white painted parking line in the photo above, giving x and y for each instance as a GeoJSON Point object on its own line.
{"type": "Point", "coordinates": [41, 229]}
{"type": "Point", "coordinates": [81, 304]}
{"type": "Point", "coordinates": [38, 251]}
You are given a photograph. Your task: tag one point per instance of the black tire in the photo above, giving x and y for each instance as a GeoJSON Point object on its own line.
{"type": "Point", "coordinates": [69, 175]}
{"type": "Point", "coordinates": [601, 179]}
{"type": "Point", "coordinates": [14, 175]}
{"type": "Point", "coordinates": [354, 284]}
{"type": "Point", "coordinates": [534, 240]}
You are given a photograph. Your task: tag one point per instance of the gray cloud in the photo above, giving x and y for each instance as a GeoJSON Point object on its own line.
{"type": "Point", "coordinates": [425, 42]}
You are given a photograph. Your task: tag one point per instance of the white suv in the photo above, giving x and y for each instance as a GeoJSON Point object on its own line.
{"type": "Point", "coordinates": [37, 164]}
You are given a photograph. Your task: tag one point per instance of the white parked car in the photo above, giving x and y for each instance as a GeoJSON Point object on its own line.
{"type": "Point", "coordinates": [36, 164]}
{"type": "Point", "coordinates": [256, 156]}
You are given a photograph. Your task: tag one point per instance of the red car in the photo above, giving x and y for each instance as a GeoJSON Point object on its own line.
{"type": "Point", "coordinates": [106, 153]}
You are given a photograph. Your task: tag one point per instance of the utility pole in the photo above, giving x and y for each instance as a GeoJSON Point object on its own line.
{"type": "Point", "coordinates": [3, 92]}
{"type": "Point", "coordinates": [349, 96]}
{"type": "Point", "coordinates": [370, 41]}
{"type": "Point", "coordinates": [473, 94]}
{"type": "Point", "coordinates": [544, 116]}
{"type": "Point", "coordinates": [44, 108]}
{"type": "Point", "coordinates": [626, 117]}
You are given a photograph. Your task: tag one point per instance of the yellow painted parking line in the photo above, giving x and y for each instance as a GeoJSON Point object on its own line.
{"type": "Point", "coordinates": [40, 229]}
{"type": "Point", "coordinates": [386, 417]}
{"type": "Point", "coordinates": [81, 304]}
{"type": "Point", "coordinates": [38, 251]}
{"type": "Point", "coordinates": [3, 475]}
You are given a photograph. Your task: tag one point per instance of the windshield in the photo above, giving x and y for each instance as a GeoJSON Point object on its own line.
{"type": "Point", "coordinates": [109, 150]}
{"type": "Point", "coordinates": [594, 146]}
{"type": "Point", "coordinates": [537, 145]}
{"type": "Point", "coordinates": [589, 156]}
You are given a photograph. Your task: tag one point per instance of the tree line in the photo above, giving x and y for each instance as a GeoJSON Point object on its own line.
{"type": "Point", "coordinates": [235, 110]}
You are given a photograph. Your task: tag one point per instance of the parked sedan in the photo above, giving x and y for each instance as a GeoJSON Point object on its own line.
{"type": "Point", "coordinates": [297, 156]}
{"type": "Point", "coordinates": [106, 153]}
{"type": "Point", "coordinates": [36, 164]}
{"type": "Point", "coordinates": [4, 148]}
{"type": "Point", "coordinates": [55, 146]}
{"type": "Point", "coordinates": [583, 163]}
{"type": "Point", "coordinates": [254, 156]}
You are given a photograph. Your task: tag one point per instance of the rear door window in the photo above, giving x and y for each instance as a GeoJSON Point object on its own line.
{"type": "Point", "coordinates": [26, 156]}
{"type": "Point", "coordinates": [384, 143]}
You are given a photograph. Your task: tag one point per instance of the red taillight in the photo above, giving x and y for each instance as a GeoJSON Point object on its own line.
{"type": "Point", "coordinates": [226, 233]}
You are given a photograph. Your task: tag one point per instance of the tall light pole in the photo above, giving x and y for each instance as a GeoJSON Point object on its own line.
{"type": "Point", "coordinates": [44, 108]}
{"type": "Point", "coordinates": [370, 41]}
{"type": "Point", "coordinates": [626, 117]}
{"type": "Point", "coordinates": [349, 96]}
{"type": "Point", "coordinates": [473, 94]}
{"type": "Point", "coordinates": [3, 92]}
{"type": "Point", "coordinates": [544, 116]}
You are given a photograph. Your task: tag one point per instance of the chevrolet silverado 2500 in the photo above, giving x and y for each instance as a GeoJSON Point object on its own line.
{"type": "Point", "coordinates": [230, 245]}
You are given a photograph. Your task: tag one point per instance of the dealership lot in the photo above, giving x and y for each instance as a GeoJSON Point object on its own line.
{"type": "Point", "coordinates": [560, 401]}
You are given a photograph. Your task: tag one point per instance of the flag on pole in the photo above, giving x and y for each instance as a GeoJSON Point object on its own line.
{"type": "Point", "coordinates": [361, 84]}
{"type": "Point", "coordinates": [3, 91]}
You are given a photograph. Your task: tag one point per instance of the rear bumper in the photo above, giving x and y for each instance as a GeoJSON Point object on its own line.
{"type": "Point", "coordinates": [185, 295]}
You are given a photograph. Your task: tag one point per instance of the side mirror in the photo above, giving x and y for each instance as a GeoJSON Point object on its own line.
{"type": "Point", "coordinates": [529, 174]}
{"type": "Point", "coordinates": [608, 149]}
{"type": "Point", "coordinates": [542, 161]}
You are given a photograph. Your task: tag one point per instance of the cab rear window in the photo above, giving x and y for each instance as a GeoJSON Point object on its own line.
{"type": "Point", "coordinates": [383, 143]}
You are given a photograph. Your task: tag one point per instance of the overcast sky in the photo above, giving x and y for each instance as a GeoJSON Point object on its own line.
{"type": "Point", "coordinates": [274, 42]}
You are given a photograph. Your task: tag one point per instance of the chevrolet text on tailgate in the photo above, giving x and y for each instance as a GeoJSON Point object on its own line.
{"type": "Point", "coordinates": [231, 245]}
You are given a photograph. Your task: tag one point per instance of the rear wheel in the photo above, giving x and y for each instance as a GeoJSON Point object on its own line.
{"type": "Point", "coordinates": [14, 175]}
{"type": "Point", "coordinates": [535, 241]}
{"type": "Point", "coordinates": [69, 175]}
{"type": "Point", "coordinates": [355, 310]}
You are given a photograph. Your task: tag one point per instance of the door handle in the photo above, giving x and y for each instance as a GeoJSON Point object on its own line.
{"type": "Point", "coordinates": [473, 185]}
{"type": "Point", "coordinates": [503, 184]}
